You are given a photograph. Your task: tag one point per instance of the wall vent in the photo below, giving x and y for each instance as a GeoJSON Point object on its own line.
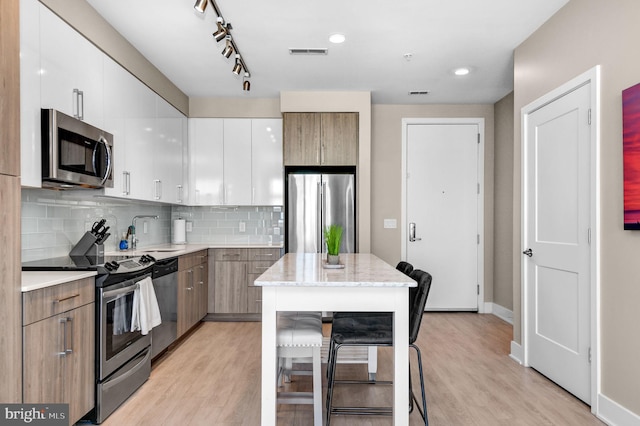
{"type": "Point", "coordinates": [306, 51]}
{"type": "Point", "coordinates": [418, 92]}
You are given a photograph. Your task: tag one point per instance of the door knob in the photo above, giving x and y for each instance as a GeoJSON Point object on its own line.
{"type": "Point", "coordinates": [528, 252]}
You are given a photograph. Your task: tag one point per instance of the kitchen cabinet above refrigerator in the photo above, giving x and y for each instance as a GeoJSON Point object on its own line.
{"type": "Point", "coordinates": [320, 138]}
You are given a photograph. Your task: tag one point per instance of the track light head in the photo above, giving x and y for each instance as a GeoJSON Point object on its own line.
{"type": "Point", "coordinates": [200, 5]}
{"type": "Point", "coordinates": [238, 66]}
{"type": "Point", "coordinates": [246, 84]}
{"type": "Point", "coordinates": [221, 32]}
{"type": "Point", "coordinates": [228, 49]}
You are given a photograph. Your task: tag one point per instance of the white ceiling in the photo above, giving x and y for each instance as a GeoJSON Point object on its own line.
{"type": "Point", "coordinates": [440, 34]}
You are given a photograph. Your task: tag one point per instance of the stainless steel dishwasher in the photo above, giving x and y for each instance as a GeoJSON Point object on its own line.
{"type": "Point", "coordinates": [165, 283]}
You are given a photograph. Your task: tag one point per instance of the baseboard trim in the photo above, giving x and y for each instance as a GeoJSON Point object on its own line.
{"type": "Point", "coordinates": [501, 312]}
{"type": "Point", "coordinates": [516, 353]}
{"type": "Point", "coordinates": [615, 414]}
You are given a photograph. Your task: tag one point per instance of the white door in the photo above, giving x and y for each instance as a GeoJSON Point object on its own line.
{"type": "Point", "coordinates": [557, 219]}
{"type": "Point", "coordinates": [442, 211]}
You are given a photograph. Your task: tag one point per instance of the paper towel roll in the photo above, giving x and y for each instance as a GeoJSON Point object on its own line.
{"type": "Point", "coordinates": [179, 234]}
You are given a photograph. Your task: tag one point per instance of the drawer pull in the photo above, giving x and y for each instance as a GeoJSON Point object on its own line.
{"type": "Point", "coordinates": [230, 254]}
{"type": "Point", "coordinates": [264, 254]}
{"type": "Point", "coordinates": [263, 267]}
{"type": "Point", "coordinates": [65, 298]}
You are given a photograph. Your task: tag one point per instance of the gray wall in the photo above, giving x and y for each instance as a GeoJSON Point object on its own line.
{"type": "Point", "coordinates": [503, 212]}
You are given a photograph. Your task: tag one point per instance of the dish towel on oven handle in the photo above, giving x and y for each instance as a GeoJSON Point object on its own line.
{"type": "Point", "coordinates": [146, 312]}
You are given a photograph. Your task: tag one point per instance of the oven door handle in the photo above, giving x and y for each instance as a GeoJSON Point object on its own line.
{"type": "Point", "coordinates": [110, 295]}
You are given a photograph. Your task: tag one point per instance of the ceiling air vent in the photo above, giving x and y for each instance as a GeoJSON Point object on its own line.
{"type": "Point", "coordinates": [418, 92]}
{"type": "Point", "coordinates": [305, 51]}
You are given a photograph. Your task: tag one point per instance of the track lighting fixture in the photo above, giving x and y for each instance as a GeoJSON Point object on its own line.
{"type": "Point", "coordinates": [228, 49]}
{"type": "Point", "coordinates": [238, 66]}
{"type": "Point", "coordinates": [246, 84]}
{"type": "Point", "coordinates": [200, 5]}
{"type": "Point", "coordinates": [223, 31]}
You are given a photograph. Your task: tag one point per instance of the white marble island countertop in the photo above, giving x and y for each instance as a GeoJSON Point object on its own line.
{"type": "Point", "coordinates": [306, 269]}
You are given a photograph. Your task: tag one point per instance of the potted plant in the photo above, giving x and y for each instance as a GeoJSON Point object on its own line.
{"type": "Point", "coordinates": [333, 238]}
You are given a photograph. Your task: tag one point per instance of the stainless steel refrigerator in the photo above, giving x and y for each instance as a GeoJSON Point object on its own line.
{"type": "Point", "coordinates": [314, 201]}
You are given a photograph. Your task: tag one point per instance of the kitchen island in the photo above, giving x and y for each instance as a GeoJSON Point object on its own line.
{"type": "Point", "coordinates": [300, 282]}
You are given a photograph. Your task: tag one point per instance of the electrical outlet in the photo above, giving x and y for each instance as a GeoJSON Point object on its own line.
{"type": "Point", "coordinates": [189, 226]}
{"type": "Point", "coordinates": [390, 224]}
{"type": "Point", "coordinates": [276, 231]}
{"type": "Point", "coordinates": [145, 227]}
{"type": "Point", "coordinates": [242, 227]}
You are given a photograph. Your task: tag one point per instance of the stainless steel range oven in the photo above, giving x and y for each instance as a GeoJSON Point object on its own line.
{"type": "Point", "coordinates": [124, 355]}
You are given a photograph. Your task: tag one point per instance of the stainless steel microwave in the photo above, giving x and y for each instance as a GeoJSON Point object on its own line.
{"type": "Point", "coordinates": [74, 154]}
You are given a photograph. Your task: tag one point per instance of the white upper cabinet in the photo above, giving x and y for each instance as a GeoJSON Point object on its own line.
{"type": "Point", "coordinates": [30, 141]}
{"type": "Point", "coordinates": [267, 174]}
{"type": "Point", "coordinates": [235, 161]}
{"type": "Point", "coordinates": [130, 114]}
{"type": "Point", "coordinates": [167, 153]}
{"type": "Point", "coordinates": [206, 163]}
{"type": "Point", "coordinates": [72, 71]}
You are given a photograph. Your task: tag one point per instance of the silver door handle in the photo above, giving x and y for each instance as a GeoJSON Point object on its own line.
{"type": "Point", "coordinates": [528, 252]}
{"type": "Point", "coordinates": [412, 232]}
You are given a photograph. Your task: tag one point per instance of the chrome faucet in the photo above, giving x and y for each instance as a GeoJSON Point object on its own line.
{"type": "Point", "coordinates": [134, 240]}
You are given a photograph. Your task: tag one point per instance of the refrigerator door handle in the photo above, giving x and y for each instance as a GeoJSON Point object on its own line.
{"type": "Point", "coordinates": [320, 205]}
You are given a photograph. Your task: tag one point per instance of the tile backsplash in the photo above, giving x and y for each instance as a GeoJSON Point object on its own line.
{"type": "Point", "coordinates": [233, 225]}
{"type": "Point", "coordinates": [54, 221]}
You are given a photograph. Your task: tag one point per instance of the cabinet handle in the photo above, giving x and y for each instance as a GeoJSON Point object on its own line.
{"type": "Point", "coordinates": [179, 188]}
{"type": "Point", "coordinates": [230, 254]}
{"type": "Point", "coordinates": [190, 272]}
{"type": "Point", "coordinates": [253, 195]}
{"type": "Point", "coordinates": [201, 282]}
{"type": "Point", "coordinates": [80, 104]}
{"type": "Point", "coordinates": [197, 196]}
{"type": "Point", "coordinates": [157, 186]}
{"type": "Point", "coordinates": [69, 350]}
{"type": "Point", "coordinates": [126, 183]}
{"type": "Point", "coordinates": [65, 298]}
{"type": "Point", "coordinates": [263, 254]}
{"type": "Point", "coordinates": [262, 267]}
{"type": "Point", "coordinates": [76, 97]}
{"type": "Point", "coordinates": [63, 321]}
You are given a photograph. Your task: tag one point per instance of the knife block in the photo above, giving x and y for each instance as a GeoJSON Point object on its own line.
{"type": "Point", "coordinates": [87, 246]}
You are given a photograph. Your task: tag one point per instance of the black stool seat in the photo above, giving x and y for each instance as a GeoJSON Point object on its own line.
{"type": "Point", "coordinates": [365, 329]}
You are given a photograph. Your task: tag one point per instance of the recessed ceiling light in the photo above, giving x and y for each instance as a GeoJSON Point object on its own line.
{"type": "Point", "coordinates": [337, 38]}
{"type": "Point", "coordinates": [461, 71]}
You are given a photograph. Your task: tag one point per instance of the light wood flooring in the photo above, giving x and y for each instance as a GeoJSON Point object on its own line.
{"type": "Point", "coordinates": [213, 378]}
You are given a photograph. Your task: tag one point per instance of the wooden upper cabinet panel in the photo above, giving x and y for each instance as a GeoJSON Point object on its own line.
{"type": "Point", "coordinates": [320, 139]}
{"type": "Point", "coordinates": [339, 136]}
{"type": "Point", "coordinates": [301, 137]}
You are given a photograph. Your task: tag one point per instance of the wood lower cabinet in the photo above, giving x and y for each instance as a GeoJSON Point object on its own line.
{"type": "Point", "coordinates": [192, 289]}
{"type": "Point", "coordinates": [235, 272]}
{"type": "Point", "coordinates": [230, 281]}
{"type": "Point", "coordinates": [59, 346]}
